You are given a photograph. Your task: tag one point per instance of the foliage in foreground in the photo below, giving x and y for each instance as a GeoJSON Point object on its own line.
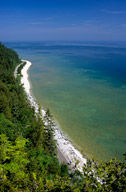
{"type": "Point", "coordinates": [28, 156]}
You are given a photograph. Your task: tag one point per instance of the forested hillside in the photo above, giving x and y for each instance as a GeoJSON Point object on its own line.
{"type": "Point", "coordinates": [28, 154]}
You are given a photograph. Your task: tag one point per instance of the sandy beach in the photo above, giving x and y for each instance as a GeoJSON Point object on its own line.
{"type": "Point", "coordinates": [66, 151]}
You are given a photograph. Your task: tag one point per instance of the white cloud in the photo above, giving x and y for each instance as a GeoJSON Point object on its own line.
{"type": "Point", "coordinates": [42, 21]}
{"type": "Point", "coordinates": [123, 25]}
{"type": "Point", "coordinates": [114, 12]}
{"type": "Point", "coordinates": [36, 23]}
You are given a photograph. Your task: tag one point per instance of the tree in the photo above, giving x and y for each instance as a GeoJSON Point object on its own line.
{"type": "Point", "coordinates": [105, 176]}
{"type": "Point", "coordinates": [48, 134]}
{"type": "Point", "coordinates": [13, 158]}
{"type": "Point", "coordinates": [7, 127]}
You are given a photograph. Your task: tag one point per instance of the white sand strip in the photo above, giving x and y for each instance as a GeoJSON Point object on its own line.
{"type": "Point", "coordinates": [65, 146]}
{"type": "Point", "coordinates": [24, 79]}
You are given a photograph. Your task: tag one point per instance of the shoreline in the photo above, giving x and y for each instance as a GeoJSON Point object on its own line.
{"type": "Point", "coordinates": [68, 151]}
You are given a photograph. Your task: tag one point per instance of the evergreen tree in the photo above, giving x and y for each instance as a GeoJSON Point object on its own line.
{"type": "Point", "coordinates": [48, 134]}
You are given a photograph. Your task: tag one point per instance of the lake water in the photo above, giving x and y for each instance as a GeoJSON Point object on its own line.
{"type": "Point", "coordinates": [84, 86]}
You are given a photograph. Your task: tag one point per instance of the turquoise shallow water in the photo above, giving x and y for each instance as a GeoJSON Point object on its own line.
{"type": "Point", "coordinates": [85, 88]}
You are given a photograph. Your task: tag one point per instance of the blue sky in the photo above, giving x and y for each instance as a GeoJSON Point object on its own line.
{"type": "Point", "coordinates": [74, 20]}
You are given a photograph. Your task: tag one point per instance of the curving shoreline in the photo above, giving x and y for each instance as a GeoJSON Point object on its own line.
{"type": "Point", "coordinates": [69, 152]}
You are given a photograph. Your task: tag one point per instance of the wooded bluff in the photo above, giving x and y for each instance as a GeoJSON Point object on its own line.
{"type": "Point", "coordinates": [28, 152]}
